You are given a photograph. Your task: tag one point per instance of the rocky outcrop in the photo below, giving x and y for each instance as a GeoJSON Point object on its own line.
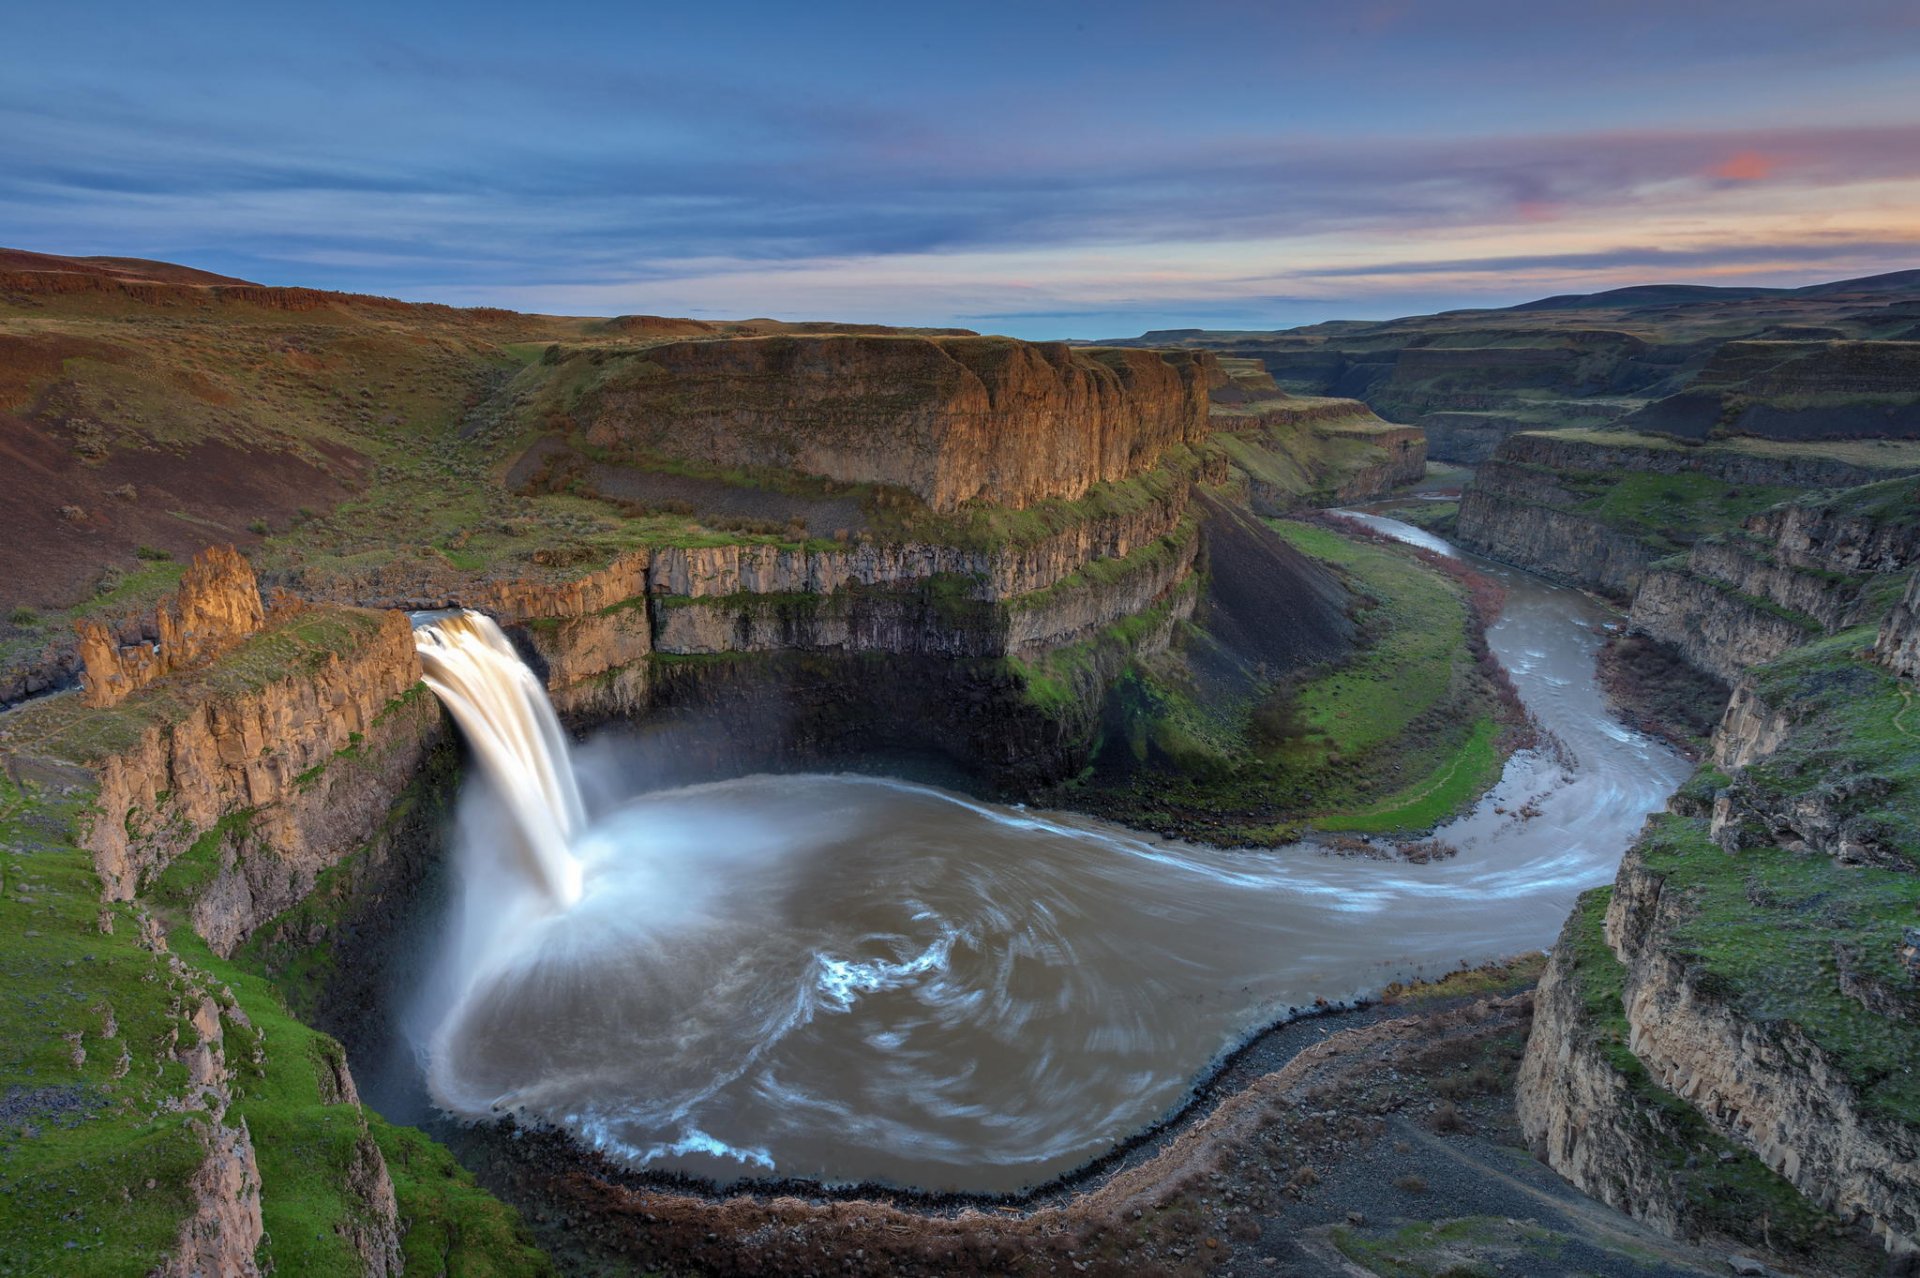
{"type": "Point", "coordinates": [217, 605]}
{"type": "Point", "coordinates": [1898, 647]}
{"type": "Point", "coordinates": [223, 1232]}
{"type": "Point", "coordinates": [1749, 730]}
{"type": "Point", "coordinates": [1581, 1111]}
{"type": "Point", "coordinates": [953, 419]}
{"type": "Point", "coordinates": [1405, 461]}
{"type": "Point", "coordinates": [1841, 537]}
{"type": "Point", "coordinates": [274, 782]}
{"type": "Point", "coordinates": [1787, 575]}
{"type": "Point", "coordinates": [1715, 626]}
{"type": "Point", "coordinates": [1748, 565]}
{"type": "Point", "coordinates": [1541, 502]}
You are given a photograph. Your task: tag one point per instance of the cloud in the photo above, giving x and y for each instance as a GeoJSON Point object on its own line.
{"type": "Point", "coordinates": [1745, 166]}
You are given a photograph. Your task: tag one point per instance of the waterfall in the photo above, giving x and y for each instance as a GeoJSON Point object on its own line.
{"type": "Point", "coordinates": [516, 736]}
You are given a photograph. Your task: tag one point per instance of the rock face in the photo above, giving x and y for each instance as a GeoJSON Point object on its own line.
{"type": "Point", "coordinates": [1898, 647]}
{"type": "Point", "coordinates": [221, 1236]}
{"type": "Point", "coordinates": [1750, 730]}
{"type": "Point", "coordinates": [924, 622]}
{"type": "Point", "coordinates": [954, 419]}
{"type": "Point", "coordinates": [1581, 1112]}
{"type": "Point", "coordinates": [217, 605]}
{"type": "Point", "coordinates": [1763, 1085]}
{"type": "Point", "coordinates": [1666, 1032]}
{"type": "Point", "coordinates": [1715, 626]}
{"type": "Point", "coordinates": [1540, 502]}
{"type": "Point", "coordinates": [1786, 576]}
{"type": "Point", "coordinates": [1468, 438]}
{"type": "Point", "coordinates": [1500, 524]}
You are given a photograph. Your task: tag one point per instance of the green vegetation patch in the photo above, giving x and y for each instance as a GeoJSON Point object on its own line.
{"type": "Point", "coordinates": [1668, 512]}
{"type": "Point", "coordinates": [1855, 746]}
{"type": "Point", "coordinates": [1469, 1247]}
{"type": "Point", "coordinates": [98, 1134]}
{"type": "Point", "coordinates": [1396, 738]}
{"type": "Point", "coordinates": [101, 1130]}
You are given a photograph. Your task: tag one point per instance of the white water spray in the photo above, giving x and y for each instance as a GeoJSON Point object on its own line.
{"type": "Point", "coordinates": [517, 738]}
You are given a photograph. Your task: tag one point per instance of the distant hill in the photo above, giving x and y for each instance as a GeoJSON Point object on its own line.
{"type": "Point", "coordinates": [1645, 295]}
{"type": "Point", "coordinates": [119, 268]}
{"type": "Point", "coordinates": [1833, 360]}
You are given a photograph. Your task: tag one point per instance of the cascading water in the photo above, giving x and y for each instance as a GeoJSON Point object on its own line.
{"type": "Point", "coordinates": [845, 978]}
{"type": "Point", "coordinates": [516, 737]}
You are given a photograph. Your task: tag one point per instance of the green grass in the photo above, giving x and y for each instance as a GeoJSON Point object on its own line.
{"type": "Point", "coordinates": [1454, 784]}
{"type": "Point", "coordinates": [94, 1160]}
{"type": "Point", "coordinates": [1854, 721]}
{"type": "Point", "coordinates": [1668, 511]}
{"type": "Point", "coordinates": [1448, 1248]}
{"type": "Point", "coordinates": [95, 1157]}
{"type": "Point", "coordinates": [1415, 660]}
{"type": "Point", "coordinates": [1889, 454]}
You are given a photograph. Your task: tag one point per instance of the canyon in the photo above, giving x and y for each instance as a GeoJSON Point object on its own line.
{"type": "Point", "coordinates": [1098, 579]}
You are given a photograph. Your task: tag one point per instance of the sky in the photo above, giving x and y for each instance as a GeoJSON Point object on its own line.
{"type": "Point", "coordinates": [1038, 169]}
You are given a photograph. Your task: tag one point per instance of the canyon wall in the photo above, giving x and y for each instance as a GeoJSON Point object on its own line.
{"type": "Point", "coordinates": [269, 784]}
{"type": "Point", "coordinates": [954, 419]}
{"type": "Point", "coordinates": [1600, 510]}
{"type": "Point", "coordinates": [1786, 575]}
{"type": "Point", "coordinates": [1733, 1059]}
{"type": "Point", "coordinates": [1713, 624]}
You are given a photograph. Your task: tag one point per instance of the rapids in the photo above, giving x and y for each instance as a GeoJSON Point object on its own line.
{"type": "Point", "coordinates": [847, 979]}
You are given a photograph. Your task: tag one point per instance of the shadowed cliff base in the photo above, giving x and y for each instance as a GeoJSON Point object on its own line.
{"type": "Point", "coordinates": [1658, 692]}
{"type": "Point", "coordinates": [1359, 696]}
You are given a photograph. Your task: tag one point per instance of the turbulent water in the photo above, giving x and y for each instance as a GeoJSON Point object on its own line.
{"type": "Point", "coordinates": [845, 978]}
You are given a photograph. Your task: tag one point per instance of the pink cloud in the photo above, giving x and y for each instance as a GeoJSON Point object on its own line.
{"type": "Point", "coordinates": [1745, 166]}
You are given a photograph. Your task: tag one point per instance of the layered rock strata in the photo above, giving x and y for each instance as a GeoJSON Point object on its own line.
{"type": "Point", "coordinates": [954, 419]}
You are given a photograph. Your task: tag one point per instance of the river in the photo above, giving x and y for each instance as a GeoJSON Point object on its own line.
{"type": "Point", "coordinates": [849, 979]}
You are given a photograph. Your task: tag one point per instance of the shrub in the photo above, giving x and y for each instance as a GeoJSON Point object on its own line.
{"type": "Point", "coordinates": [1410, 1184]}
{"type": "Point", "coordinates": [259, 527]}
{"type": "Point", "coordinates": [153, 554]}
{"type": "Point", "coordinates": [23, 617]}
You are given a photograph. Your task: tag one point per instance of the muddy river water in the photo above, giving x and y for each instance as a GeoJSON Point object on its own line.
{"type": "Point", "coordinates": [851, 979]}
